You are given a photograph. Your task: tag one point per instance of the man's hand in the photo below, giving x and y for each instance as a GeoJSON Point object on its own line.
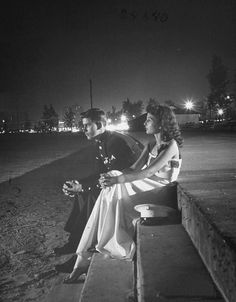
{"type": "Point", "coordinates": [71, 187]}
{"type": "Point", "coordinates": [106, 180]}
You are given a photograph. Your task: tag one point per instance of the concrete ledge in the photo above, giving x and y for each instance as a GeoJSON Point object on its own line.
{"type": "Point", "coordinates": [65, 292]}
{"type": "Point", "coordinates": [169, 267]}
{"type": "Point", "coordinates": [108, 280]}
{"type": "Point", "coordinates": [217, 250]}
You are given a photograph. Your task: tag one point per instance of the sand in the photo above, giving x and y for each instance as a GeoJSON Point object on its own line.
{"type": "Point", "coordinates": [33, 211]}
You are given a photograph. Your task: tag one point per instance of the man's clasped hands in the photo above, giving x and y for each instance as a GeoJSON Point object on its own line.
{"type": "Point", "coordinates": [71, 187]}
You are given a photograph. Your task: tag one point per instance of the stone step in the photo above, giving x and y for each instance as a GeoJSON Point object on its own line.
{"type": "Point", "coordinates": [65, 292]}
{"type": "Point", "coordinates": [108, 280]}
{"type": "Point", "coordinates": [208, 215]}
{"type": "Point", "coordinates": [169, 268]}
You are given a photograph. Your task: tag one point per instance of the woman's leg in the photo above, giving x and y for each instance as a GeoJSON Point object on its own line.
{"type": "Point", "coordinates": [109, 229]}
{"type": "Point", "coordinates": [88, 240]}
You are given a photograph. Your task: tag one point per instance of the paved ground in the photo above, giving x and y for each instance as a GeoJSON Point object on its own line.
{"type": "Point", "coordinates": [209, 173]}
{"type": "Point", "coordinates": [207, 186]}
{"type": "Point", "coordinates": [34, 202]}
{"type": "Point", "coordinates": [202, 151]}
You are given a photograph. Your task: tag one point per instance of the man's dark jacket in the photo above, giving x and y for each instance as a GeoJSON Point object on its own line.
{"type": "Point", "coordinates": [112, 153]}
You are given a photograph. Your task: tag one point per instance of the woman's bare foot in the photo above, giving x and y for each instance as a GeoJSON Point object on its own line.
{"type": "Point", "coordinates": [74, 276]}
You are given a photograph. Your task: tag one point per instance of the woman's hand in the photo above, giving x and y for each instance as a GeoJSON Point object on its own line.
{"type": "Point", "coordinates": [71, 187]}
{"type": "Point", "coordinates": [107, 181]}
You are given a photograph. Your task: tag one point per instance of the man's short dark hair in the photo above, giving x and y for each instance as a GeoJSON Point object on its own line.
{"type": "Point", "coordinates": [95, 114]}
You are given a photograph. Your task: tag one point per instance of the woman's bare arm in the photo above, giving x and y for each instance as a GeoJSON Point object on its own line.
{"type": "Point", "coordinates": [157, 164]}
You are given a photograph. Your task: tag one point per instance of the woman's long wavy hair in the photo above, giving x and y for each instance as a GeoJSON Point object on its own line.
{"type": "Point", "coordinates": [168, 124]}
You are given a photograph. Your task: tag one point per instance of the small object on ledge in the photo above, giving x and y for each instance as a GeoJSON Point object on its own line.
{"type": "Point", "coordinates": [151, 214]}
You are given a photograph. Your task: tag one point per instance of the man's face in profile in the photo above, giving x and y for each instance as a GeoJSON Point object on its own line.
{"type": "Point", "coordinates": [90, 128]}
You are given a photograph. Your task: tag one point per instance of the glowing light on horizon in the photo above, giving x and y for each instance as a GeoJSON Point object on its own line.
{"type": "Point", "coordinates": [123, 118]}
{"type": "Point", "coordinates": [118, 127]}
{"type": "Point", "coordinates": [189, 105]}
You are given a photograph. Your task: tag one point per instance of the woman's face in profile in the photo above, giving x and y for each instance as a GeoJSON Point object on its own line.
{"type": "Point", "coordinates": [151, 124]}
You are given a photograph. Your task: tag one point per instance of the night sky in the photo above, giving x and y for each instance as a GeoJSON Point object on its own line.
{"type": "Point", "coordinates": [130, 49]}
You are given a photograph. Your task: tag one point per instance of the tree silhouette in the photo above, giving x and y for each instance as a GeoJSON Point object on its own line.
{"type": "Point", "coordinates": [132, 109]}
{"type": "Point", "coordinates": [232, 108]}
{"type": "Point", "coordinates": [49, 119]}
{"type": "Point", "coordinates": [170, 103]}
{"type": "Point", "coordinates": [218, 81]}
{"type": "Point", "coordinates": [69, 117]}
{"type": "Point", "coordinates": [113, 114]}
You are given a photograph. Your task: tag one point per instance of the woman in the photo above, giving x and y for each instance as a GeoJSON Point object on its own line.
{"type": "Point", "coordinates": [111, 225]}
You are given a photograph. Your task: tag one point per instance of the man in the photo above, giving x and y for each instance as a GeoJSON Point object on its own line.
{"type": "Point", "coordinates": [112, 153]}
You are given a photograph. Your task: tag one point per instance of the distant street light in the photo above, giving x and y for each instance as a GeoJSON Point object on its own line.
{"type": "Point", "coordinates": [220, 111]}
{"type": "Point", "coordinates": [189, 105]}
{"type": "Point", "coordinates": [123, 118]}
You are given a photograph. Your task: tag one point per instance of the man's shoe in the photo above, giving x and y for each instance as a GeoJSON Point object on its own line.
{"type": "Point", "coordinates": [66, 267]}
{"type": "Point", "coordinates": [64, 250]}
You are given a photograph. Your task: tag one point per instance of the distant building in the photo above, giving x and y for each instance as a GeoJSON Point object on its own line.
{"type": "Point", "coordinates": [183, 117]}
